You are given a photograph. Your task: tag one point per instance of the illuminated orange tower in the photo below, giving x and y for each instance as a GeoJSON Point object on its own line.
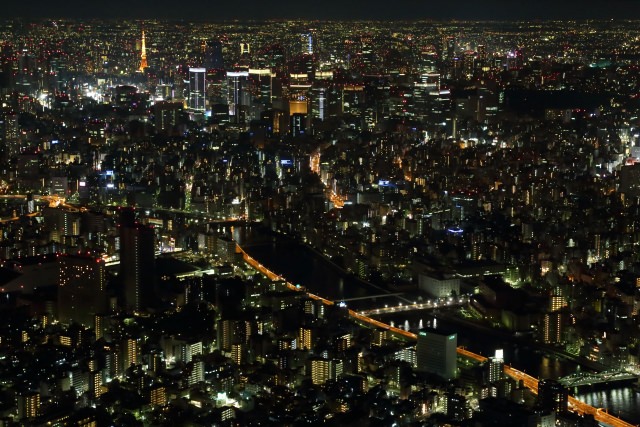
{"type": "Point", "coordinates": [143, 55]}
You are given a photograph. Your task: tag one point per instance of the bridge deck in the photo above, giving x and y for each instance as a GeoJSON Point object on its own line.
{"type": "Point", "coordinates": [530, 382]}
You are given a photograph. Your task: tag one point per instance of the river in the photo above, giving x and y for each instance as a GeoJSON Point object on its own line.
{"type": "Point", "coordinates": [303, 266]}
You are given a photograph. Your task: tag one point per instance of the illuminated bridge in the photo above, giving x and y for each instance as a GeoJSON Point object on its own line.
{"type": "Point", "coordinates": [449, 302]}
{"type": "Point", "coordinates": [530, 382]}
{"type": "Point", "coordinates": [588, 379]}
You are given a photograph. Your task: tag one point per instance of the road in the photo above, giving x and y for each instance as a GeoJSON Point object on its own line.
{"type": "Point", "coordinates": [530, 382]}
{"type": "Point", "coordinates": [437, 303]}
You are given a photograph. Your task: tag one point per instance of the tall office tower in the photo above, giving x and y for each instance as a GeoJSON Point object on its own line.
{"type": "Point", "coordinates": [143, 54]}
{"type": "Point", "coordinates": [482, 57]}
{"type": "Point", "coordinates": [450, 46]}
{"type": "Point", "coordinates": [236, 80]}
{"type": "Point", "coordinates": [262, 81]}
{"type": "Point", "coordinates": [213, 58]}
{"type": "Point", "coordinates": [167, 116]}
{"type": "Point", "coordinates": [319, 103]}
{"type": "Point", "coordinates": [81, 289]}
{"type": "Point", "coordinates": [437, 352]}
{"type": "Point", "coordinates": [197, 89]}
{"type": "Point", "coordinates": [552, 396]}
{"type": "Point", "coordinates": [308, 43]}
{"type": "Point", "coordinates": [297, 124]}
{"type": "Point", "coordinates": [137, 262]}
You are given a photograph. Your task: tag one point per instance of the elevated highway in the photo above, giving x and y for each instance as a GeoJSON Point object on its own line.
{"type": "Point", "coordinates": [575, 405]}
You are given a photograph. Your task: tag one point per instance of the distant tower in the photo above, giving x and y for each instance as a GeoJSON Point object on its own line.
{"type": "Point", "coordinates": [213, 58]}
{"type": "Point", "coordinates": [197, 89]}
{"type": "Point", "coordinates": [236, 82]}
{"type": "Point", "coordinates": [143, 55]}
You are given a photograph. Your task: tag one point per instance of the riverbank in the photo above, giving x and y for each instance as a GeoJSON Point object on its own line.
{"type": "Point", "coordinates": [524, 343]}
{"type": "Point", "coordinates": [301, 265]}
{"type": "Point", "coordinates": [313, 269]}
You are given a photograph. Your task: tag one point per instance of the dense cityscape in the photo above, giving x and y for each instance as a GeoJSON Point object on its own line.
{"type": "Point", "coordinates": [285, 223]}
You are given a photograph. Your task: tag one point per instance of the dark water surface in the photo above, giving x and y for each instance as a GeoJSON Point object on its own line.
{"type": "Point", "coordinates": [303, 266]}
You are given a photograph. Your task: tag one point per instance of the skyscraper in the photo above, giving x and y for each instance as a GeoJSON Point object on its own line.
{"type": "Point", "coordinates": [131, 353]}
{"type": "Point", "coordinates": [82, 289]}
{"type": "Point", "coordinates": [167, 116]}
{"type": "Point", "coordinates": [495, 367]}
{"type": "Point", "coordinates": [213, 58]}
{"type": "Point", "coordinates": [236, 80]}
{"type": "Point", "coordinates": [137, 262]}
{"type": "Point", "coordinates": [197, 89]}
{"type": "Point", "coordinates": [553, 327]}
{"type": "Point", "coordinates": [437, 352]}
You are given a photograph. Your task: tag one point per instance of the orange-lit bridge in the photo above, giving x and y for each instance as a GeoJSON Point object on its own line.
{"type": "Point", "coordinates": [530, 382]}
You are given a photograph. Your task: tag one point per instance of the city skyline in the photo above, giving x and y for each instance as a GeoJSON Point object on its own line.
{"type": "Point", "coordinates": [305, 222]}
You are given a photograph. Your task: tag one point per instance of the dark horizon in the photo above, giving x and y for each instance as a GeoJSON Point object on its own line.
{"type": "Point", "coordinates": [490, 10]}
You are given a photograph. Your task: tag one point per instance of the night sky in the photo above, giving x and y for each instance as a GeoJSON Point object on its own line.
{"type": "Point", "coordinates": [324, 9]}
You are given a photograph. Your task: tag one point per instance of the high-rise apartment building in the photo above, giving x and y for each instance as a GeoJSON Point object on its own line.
{"type": "Point", "coordinates": [81, 289]}
{"type": "Point", "coordinates": [28, 405]}
{"type": "Point", "coordinates": [495, 366]}
{"type": "Point", "coordinates": [553, 327]}
{"type": "Point", "coordinates": [158, 396]}
{"type": "Point", "coordinates": [323, 370]}
{"type": "Point", "coordinates": [137, 262]}
{"type": "Point", "coordinates": [552, 396]}
{"type": "Point", "coordinates": [131, 352]}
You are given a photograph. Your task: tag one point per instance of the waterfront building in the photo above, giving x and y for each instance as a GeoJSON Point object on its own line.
{"type": "Point", "coordinates": [437, 352]}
